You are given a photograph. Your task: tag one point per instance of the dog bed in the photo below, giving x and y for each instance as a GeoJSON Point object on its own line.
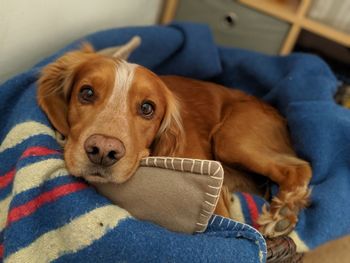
{"type": "Point", "coordinates": [47, 215]}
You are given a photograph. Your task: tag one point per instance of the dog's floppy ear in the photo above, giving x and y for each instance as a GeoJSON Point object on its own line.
{"type": "Point", "coordinates": [55, 83]}
{"type": "Point", "coordinates": [170, 138]}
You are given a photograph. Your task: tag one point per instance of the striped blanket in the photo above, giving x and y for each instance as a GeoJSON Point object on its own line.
{"type": "Point", "coordinates": [47, 215]}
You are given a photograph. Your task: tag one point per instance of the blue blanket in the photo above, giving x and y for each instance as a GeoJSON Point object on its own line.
{"type": "Point", "coordinates": [47, 215]}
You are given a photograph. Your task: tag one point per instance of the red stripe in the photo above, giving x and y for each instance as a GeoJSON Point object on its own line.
{"type": "Point", "coordinates": [253, 209]}
{"type": "Point", "coordinates": [38, 151]}
{"type": "Point", "coordinates": [31, 206]}
{"type": "Point", "coordinates": [1, 251]}
{"type": "Point", "coordinates": [7, 178]}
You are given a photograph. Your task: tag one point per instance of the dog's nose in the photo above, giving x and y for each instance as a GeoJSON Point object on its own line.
{"type": "Point", "coordinates": [104, 150]}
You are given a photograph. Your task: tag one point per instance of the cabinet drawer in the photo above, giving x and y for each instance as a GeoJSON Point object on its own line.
{"type": "Point", "coordinates": [235, 25]}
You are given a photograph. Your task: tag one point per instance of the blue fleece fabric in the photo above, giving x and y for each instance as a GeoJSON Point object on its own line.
{"type": "Point", "coordinates": [300, 86]}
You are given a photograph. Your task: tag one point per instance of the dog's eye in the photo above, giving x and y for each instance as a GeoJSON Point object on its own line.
{"type": "Point", "coordinates": [86, 94]}
{"type": "Point", "coordinates": [147, 109]}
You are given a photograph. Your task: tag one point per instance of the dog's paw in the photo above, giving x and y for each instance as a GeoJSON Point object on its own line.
{"type": "Point", "coordinates": [282, 216]}
{"type": "Point", "coordinates": [277, 223]}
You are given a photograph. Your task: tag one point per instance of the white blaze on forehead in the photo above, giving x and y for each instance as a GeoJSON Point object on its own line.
{"type": "Point", "coordinates": [116, 107]}
{"type": "Point", "coordinates": [124, 76]}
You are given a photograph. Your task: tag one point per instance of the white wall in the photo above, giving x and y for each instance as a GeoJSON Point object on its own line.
{"type": "Point", "coordinates": [33, 29]}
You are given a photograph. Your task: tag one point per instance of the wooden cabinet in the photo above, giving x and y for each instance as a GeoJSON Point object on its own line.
{"type": "Point", "coordinates": [295, 12]}
{"type": "Point", "coordinates": [234, 24]}
{"type": "Point", "coordinates": [270, 26]}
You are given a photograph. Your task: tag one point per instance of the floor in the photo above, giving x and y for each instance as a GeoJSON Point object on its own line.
{"type": "Point", "coordinates": [337, 251]}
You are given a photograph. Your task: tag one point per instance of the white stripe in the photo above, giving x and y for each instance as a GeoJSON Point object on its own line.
{"type": "Point", "coordinates": [172, 164]}
{"type": "Point", "coordinates": [193, 161]}
{"type": "Point", "coordinates": [29, 177]}
{"type": "Point", "coordinates": [4, 207]}
{"type": "Point", "coordinates": [213, 220]}
{"type": "Point", "coordinates": [78, 234]}
{"type": "Point", "coordinates": [214, 187]}
{"type": "Point", "coordinates": [23, 131]}
{"type": "Point", "coordinates": [35, 174]}
{"type": "Point", "coordinates": [202, 164]}
{"type": "Point", "coordinates": [234, 226]}
{"type": "Point", "coordinates": [209, 213]}
{"type": "Point", "coordinates": [222, 219]}
{"type": "Point", "coordinates": [209, 203]}
{"type": "Point", "coordinates": [212, 195]}
{"type": "Point", "coordinates": [217, 170]}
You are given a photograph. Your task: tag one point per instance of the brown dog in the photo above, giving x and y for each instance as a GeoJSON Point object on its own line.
{"type": "Point", "coordinates": [114, 113]}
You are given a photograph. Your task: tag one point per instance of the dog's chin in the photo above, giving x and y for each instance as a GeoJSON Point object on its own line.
{"type": "Point", "coordinates": [121, 177]}
{"type": "Point", "coordinates": [117, 176]}
{"type": "Point", "coordinates": [88, 173]}
{"type": "Point", "coordinates": [96, 175]}
{"type": "Point", "coordinates": [97, 178]}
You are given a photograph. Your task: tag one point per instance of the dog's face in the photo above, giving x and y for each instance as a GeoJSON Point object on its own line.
{"type": "Point", "coordinates": [111, 112]}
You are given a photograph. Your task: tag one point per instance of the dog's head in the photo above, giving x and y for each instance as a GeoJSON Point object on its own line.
{"type": "Point", "coordinates": [112, 113]}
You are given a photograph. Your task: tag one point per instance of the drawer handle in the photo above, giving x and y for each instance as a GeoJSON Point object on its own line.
{"type": "Point", "coordinates": [230, 19]}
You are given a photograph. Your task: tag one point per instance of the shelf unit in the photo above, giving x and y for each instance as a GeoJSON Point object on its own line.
{"type": "Point", "coordinates": [295, 13]}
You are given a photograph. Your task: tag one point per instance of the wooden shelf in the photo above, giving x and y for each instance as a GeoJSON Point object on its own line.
{"type": "Point", "coordinates": [294, 12]}
{"type": "Point", "coordinates": [327, 32]}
